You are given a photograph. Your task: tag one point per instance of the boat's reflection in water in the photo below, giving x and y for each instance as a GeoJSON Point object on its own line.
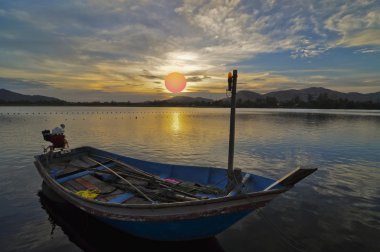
{"type": "Point", "coordinates": [89, 234]}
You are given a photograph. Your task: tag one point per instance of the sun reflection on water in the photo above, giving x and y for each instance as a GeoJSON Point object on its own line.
{"type": "Point", "coordinates": [175, 122]}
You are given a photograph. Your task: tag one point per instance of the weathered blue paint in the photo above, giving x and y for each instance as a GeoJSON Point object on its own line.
{"type": "Point", "coordinates": [82, 174]}
{"type": "Point", "coordinates": [121, 198]}
{"type": "Point", "coordinates": [179, 230]}
{"type": "Point", "coordinates": [55, 171]}
{"type": "Point", "coordinates": [74, 176]}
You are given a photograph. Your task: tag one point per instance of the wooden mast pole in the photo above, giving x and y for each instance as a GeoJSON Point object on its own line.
{"type": "Point", "coordinates": [233, 181]}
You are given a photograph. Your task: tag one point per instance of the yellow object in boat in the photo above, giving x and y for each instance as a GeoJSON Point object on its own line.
{"type": "Point", "coordinates": [88, 194]}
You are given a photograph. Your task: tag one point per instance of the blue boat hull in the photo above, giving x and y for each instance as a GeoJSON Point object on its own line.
{"type": "Point", "coordinates": [177, 221]}
{"type": "Point", "coordinates": [178, 230]}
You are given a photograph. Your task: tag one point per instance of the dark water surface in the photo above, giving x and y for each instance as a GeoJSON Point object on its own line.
{"type": "Point", "coordinates": [335, 209]}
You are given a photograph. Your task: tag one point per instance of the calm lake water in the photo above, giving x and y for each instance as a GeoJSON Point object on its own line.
{"type": "Point", "coordinates": [335, 209]}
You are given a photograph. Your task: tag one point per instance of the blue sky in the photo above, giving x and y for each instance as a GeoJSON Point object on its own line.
{"type": "Point", "coordinates": [122, 50]}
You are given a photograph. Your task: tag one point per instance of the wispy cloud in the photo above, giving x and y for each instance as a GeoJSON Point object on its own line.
{"type": "Point", "coordinates": [368, 50]}
{"type": "Point", "coordinates": [16, 84]}
{"type": "Point", "coordinates": [357, 24]}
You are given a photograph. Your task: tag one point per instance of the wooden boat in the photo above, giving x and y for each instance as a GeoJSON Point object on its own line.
{"type": "Point", "coordinates": [153, 200]}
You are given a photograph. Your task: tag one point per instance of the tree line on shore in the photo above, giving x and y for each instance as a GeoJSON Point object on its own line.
{"type": "Point", "coordinates": [323, 101]}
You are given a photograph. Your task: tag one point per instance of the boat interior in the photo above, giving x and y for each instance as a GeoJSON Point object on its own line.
{"type": "Point", "coordinates": [111, 178]}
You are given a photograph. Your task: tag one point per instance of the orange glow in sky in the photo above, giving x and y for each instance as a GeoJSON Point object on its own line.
{"type": "Point", "coordinates": [175, 82]}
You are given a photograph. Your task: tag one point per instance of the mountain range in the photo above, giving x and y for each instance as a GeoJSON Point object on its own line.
{"type": "Point", "coordinates": [305, 95]}
{"type": "Point", "coordinates": [9, 96]}
{"type": "Point", "coordinates": [187, 99]}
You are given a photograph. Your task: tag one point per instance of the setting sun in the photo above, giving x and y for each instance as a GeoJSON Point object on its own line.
{"type": "Point", "coordinates": [175, 82]}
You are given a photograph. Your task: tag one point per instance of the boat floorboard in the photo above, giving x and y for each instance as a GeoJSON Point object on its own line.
{"type": "Point", "coordinates": [73, 186]}
{"type": "Point", "coordinates": [110, 196]}
{"type": "Point", "coordinates": [101, 185]}
{"type": "Point", "coordinates": [108, 193]}
{"type": "Point", "coordinates": [87, 184]}
{"type": "Point", "coordinates": [83, 173]}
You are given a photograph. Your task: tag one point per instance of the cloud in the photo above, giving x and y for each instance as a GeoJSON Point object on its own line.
{"type": "Point", "coordinates": [17, 84]}
{"type": "Point", "coordinates": [194, 79]}
{"type": "Point", "coordinates": [363, 38]}
{"type": "Point", "coordinates": [148, 75]}
{"type": "Point", "coordinates": [368, 50]}
{"type": "Point", "coordinates": [356, 27]}
{"type": "Point", "coordinates": [197, 78]}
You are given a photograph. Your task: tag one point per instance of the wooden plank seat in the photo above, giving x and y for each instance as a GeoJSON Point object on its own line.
{"type": "Point", "coordinates": [74, 175]}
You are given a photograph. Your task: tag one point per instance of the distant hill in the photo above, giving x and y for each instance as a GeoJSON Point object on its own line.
{"type": "Point", "coordinates": [187, 99]}
{"type": "Point", "coordinates": [245, 95]}
{"type": "Point", "coordinates": [180, 101]}
{"type": "Point", "coordinates": [308, 93]}
{"type": "Point", "coordinates": [9, 96]}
